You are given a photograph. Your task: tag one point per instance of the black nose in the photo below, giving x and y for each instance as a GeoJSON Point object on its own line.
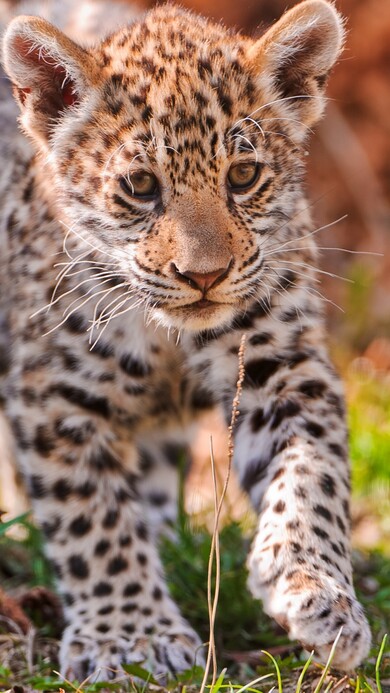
{"type": "Point", "coordinates": [202, 280]}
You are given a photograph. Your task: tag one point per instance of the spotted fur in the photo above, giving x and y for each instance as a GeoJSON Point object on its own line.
{"type": "Point", "coordinates": [126, 314]}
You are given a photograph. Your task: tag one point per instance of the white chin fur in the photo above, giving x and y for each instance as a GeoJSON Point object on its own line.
{"type": "Point", "coordinates": [221, 316]}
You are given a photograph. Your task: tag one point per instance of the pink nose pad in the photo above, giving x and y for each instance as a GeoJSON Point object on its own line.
{"type": "Point", "coordinates": [203, 281]}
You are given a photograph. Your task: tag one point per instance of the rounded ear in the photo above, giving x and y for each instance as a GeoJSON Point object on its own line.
{"type": "Point", "coordinates": [49, 72]}
{"type": "Point", "coordinates": [293, 59]}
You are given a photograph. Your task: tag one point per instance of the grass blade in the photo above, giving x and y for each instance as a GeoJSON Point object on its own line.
{"type": "Point", "coordinates": [378, 664]}
{"type": "Point", "coordinates": [276, 665]}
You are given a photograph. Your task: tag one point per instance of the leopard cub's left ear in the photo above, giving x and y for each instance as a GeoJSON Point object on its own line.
{"type": "Point", "coordinates": [293, 59]}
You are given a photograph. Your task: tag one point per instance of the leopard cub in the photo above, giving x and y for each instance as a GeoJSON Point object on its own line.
{"type": "Point", "coordinates": [155, 214]}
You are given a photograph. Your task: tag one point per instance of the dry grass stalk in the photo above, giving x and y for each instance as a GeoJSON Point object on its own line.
{"type": "Point", "coordinates": [214, 556]}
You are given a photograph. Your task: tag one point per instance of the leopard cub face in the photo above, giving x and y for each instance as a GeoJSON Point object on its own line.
{"type": "Point", "coordinates": [175, 148]}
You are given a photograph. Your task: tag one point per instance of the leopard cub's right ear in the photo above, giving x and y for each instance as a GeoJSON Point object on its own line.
{"type": "Point", "coordinates": [50, 73]}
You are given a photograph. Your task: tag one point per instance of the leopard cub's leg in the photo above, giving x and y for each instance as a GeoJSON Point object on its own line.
{"type": "Point", "coordinates": [86, 500]}
{"type": "Point", "coordinates": [292, 460]}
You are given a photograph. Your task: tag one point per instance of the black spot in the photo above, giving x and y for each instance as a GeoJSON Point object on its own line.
{"type": "Point", "coordinates": [57, 569]}
{"type": "Point", "coordinates": [244, 321]}
{"type": "Point", "coordinates": [320, 532]}
{"type": "Point", "coordinates": [312, 388]}
{"type": "Point", "coordinates": [295, 547]}
{"type": "Point", "coordinates": [82, 398]}
{"type": "Point", "coordinates": [336, 403]}
{"type": "Point", "coordinates": [28, 191]}
{"type": "Point", "coordinates": [80, 525]}
{"type": "Point", "coordinates": [110, 519]}
{"type": "Point", "coordinates": [325, 613]}
{"type": "Point", "coordinates": [43, 441]}
{"type": "Point", "coordinates": [86, 490]}
{"type": "Point", "coordinates": [76, 323]}
{"type": "Point", "coordinates": [165, 621]}
{"type": "Point", "coordinates": [157, 593]}
{"type": "Point", "coordinates": [314, 429]}
{"type": "Point", "coordinates": [19, 432]}
{"type": "Point", "coordinates": [68, 599]}
{"type": "Point", "coordinates": [78, 567]}
{"type": "Point", "coordinates": [106, 610]}
{"type": "Point", "coordinates": [284, 410]}
{"type": "Point", "coordinates": [337, 450]}
{"type": "Point", "coordinates": [62, 489]}
{"type": "Point", "coordinates": [323, 512]}
{"type": "Point", "coordinates": [71, 362]}
{"type": "Point", "coordinates": [258, 371]}
{"type": "Point", "coordinates": [297, 359]}
{"type": "Point", "coordinates": [142, 559]}
{"type": "Point", "coordinates": [131, 589]}
{"type": "Point", "coordinates": [129, 607]}
{"type": "Point", "coordinates": [202, 399]}
{"type": "Point", "coordinates": [103, 349]}
{"type": "Point", "coordinates": [37, 487]}
{"type": "Point", "coordinates": [103, 627]}
{"type": "Point", "coordinates": [76, 434]}
{"type": "Point", "coordinates": [279, 507]}
{"type": "Point", "coordinates": [258, 420]}
{"type": "Point", "coordinates": [51, 527]}
{"type": "Point", "coordinates": [129, 628]}
{"type": "Point", "coordinates": [158, 498]}
{"type": "Point", "coordinates": [328, 485]}
{"type": "Point", "coordinates": [117, 565]}
{"type": "Point", "coordinates": [175, 454]}
{"type": "Point", "coordinates": [224, 99]}
{"type": "Point", "coordinates": [262, 338]}
{"type": "Point", "coordinates": [102, 547]}
{"type": "Point", "coordinates": [289, 315]}
{"type": "Point", "coordinates": [103, 459]}
{"type": "Point", "coordinates": [341, 524]}
{"type": "Point", "coordinates": [336, 549]}
{"type": "Point", "coordinates": [255, 471]}
{"type": "Point", "coordinates": [125, 540]}
{"type": "Point", "coordinates": [134, 367]}
{"type": "Point", "coordinates": [141, 531]}
{"type": "Point", "coordinates": [102, 589]}
{"type": "Point", "coordinates": [287, 279]}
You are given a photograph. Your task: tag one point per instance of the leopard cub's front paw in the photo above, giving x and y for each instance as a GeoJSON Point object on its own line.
{"type": "Point", "coordinates": [313, 608]}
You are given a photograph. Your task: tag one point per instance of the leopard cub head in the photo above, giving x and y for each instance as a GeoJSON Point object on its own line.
{"type": "Point", "coordinates": [175, 147]}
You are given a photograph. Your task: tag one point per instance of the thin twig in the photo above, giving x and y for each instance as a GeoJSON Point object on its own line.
{"type": "Point", "coordinates": [214, 549]}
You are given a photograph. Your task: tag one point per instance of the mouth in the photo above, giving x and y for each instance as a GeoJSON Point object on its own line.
{"type": "Point", "coordinates": [203, 304]}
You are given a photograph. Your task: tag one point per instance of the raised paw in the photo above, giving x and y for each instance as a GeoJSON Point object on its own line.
{"type": "Point", "coordinates": [312, 608]}
{"type": "Point", "coordinates": [164, 652]}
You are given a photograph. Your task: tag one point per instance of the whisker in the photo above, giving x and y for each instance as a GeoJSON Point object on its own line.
{"type": "Point", "coordinates": [316, 269]}
{"type": "Point", "coordinates": [311, 233]}
{"type": "Point", "coordinates": [92, 293]}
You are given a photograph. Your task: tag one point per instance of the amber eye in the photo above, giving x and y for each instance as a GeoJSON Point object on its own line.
{"type": "Point", "coordinates": [141, 184]}
{"type": "Point", "coordinates": [242, 176]}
